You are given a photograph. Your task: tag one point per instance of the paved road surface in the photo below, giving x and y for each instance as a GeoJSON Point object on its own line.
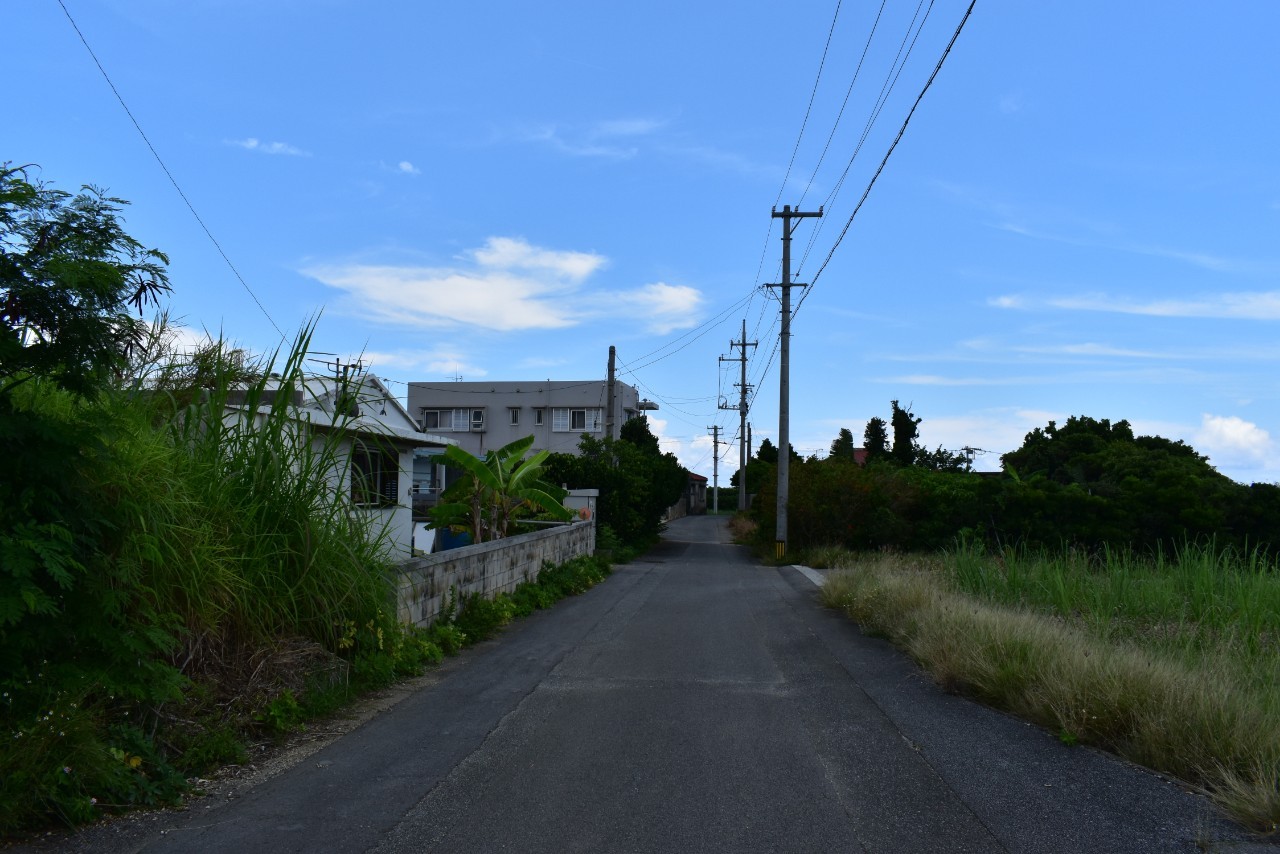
{"type": "Point", "coordinates": [697, 702]}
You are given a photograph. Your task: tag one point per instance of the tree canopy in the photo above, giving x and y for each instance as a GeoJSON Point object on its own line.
{"type": "Point", "coordinates": [69, 275]}
{"type": "Point", "coordinates": [637, 481]}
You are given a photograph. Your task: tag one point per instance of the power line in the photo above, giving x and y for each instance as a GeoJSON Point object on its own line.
{"type": "Point", "coordinates": [167, 173]}
{"type": "Point", "coordinates": [896, 68]}
{"type": "Point", "coordinates": [705, 327]}
{"type": "Point", "coordinates": [812, 95]}
{"type": "Point", "coordinates": [865, 48]}
{"type": "Point", "coordinates": [885, 159]}
{"type": "Point", "coordinates": [764, 250]}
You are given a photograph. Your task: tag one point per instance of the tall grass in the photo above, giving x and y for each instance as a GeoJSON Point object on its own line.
{"type": "Point", "coordinates": [1200, 604]}
{"type": "Point", "coordinates": [245, 530]}
{"type": "Point", "coordinates": [1166, 663]}
{"type": "Point", "coordinates": [221, 563]}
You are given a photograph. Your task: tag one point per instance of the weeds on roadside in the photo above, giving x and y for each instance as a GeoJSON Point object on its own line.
{"type": "Point", "coordinates": [1035, 639]}
{"type": "Point", "coordinates": [474, 618]}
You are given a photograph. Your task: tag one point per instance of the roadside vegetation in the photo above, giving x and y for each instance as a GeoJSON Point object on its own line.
{"type": "Point", "coordinates": [1171, 662]}
{"type": "Point", "coordinates": [637, 483]}
{"type": "Point", "coordinates": [1113, 588]}
{"type": "Point", "coordinates": [176, 584]}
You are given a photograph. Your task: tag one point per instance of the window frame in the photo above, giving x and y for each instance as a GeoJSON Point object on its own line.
{"type": "Point", "coordinates": [375, 475]}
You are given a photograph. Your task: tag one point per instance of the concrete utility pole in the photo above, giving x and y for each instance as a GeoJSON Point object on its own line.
{"type": "Point", "coordinates": [784, 373]}
{"type": "Point", "coordinates": [743, 388]}
{"type": "Point", "coordinates": [608, 416]}
{"type": "Point", "coordinates": [715, 467]}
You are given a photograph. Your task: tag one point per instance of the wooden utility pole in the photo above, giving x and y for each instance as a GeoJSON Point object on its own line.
{"type": "Point", "coordinates": [743, 388]}
{"type": "Point", "coordinates": [784, 373]}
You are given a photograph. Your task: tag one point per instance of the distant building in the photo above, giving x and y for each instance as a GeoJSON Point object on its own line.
{"type": "Point", "coordinates": [482, 416]}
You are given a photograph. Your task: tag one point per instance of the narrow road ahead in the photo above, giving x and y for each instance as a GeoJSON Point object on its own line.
{"type": "Point", "coordinates": [698, 702]}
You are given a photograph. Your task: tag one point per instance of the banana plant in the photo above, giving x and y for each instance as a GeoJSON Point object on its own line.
{"type": "Point", "coordinates": [497, 490]}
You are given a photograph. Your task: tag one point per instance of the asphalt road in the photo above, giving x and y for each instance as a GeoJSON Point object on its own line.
{"type": "Point", "coordinates": [697, 702]}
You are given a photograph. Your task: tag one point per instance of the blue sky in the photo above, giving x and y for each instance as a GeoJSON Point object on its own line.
{"type": "Point", "coordinates": [1081, 219]}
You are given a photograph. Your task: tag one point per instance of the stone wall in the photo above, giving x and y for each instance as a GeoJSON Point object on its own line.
{"type": "Point", "coordinates": [489, 568]}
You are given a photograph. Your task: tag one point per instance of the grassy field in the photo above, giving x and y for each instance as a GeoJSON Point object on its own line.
{"type": "Point", "coordinates": [1171, 661]}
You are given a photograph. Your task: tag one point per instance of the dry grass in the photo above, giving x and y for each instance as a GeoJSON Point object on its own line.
{"type": "Point", "coordinates": [1195, 721]}
{"type": "Point", "coordinates": [742, 528]}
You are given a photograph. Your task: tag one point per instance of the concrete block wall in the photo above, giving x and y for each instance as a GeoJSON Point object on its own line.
{"type": "Point", "coordinates": [497, 566]}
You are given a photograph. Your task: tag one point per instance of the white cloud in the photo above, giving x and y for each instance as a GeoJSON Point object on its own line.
{"type": "Point", "coordinates": [253, 144]}
{"type": "Point", "coordinates": [662, 307]}
{"type": "Point", "coordinates": [508, 253]}
{"type": "Point", "coordinates": [408, 168]}
{"type": "Point", "coordinates": [432, 297]}
{"type": "Point", "coordinates": [1231, 442]}
{"type": "Point", "coordinates": [505, 285]}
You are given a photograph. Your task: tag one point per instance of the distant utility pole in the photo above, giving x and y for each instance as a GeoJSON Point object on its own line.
{"type": "Point", "coordinates": [742, 411]}
{"type": "Point", "coordinates": [608, 416]}
{"type": "Point", "coordinates": [715, 467]}
{"type": "Point", "coordinates": [784, 373]}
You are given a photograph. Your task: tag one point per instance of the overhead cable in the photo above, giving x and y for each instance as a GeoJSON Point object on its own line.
{"type": "Point", "coordinates": [169, 174]}
{"type": "Point", "coordinates": [888, 153]}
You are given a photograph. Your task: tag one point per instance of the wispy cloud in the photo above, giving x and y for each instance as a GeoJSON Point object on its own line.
{"type": "Point", "coordinates": [254, 144]}
{"type": "Point", "coordinates": [614, 138]}
{"type": "Point", "coordinates": [408, 168]}
{"type": "Point", "coordinates": [935, 380]}
{"type": "Point", "coordinates": [434, 361]}
{"type": "Point", "coordinates": [1090, 349]}
{"type": "Point", "coordinates": [727, 161]}
{"type": "Point", "coordinates": [1204, 260]}
{"type": "Point", "coordinates": [1011, 102]}
{"type": "Point", "coordinates": [1254, 305]}
{"type": "Point", "coordinates": [506, 285]}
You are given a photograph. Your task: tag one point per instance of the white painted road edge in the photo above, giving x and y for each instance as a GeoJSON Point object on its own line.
{"type": "Point", "coordinates": [811, 574]}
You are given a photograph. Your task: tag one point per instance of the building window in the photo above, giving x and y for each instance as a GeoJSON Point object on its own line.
{"type": "Point", "coordinates": [477, 421]}
{"type": "Point", "coordinates": [537, 417]}
{"type": "Point", "coordinates": [375, 476]}
{"type": "Point", "coordinates": [515, 415]}
{"type": "Point", "coordinates": [575, 420]}
{"type": "Point", "coordinates": [449, 420]}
